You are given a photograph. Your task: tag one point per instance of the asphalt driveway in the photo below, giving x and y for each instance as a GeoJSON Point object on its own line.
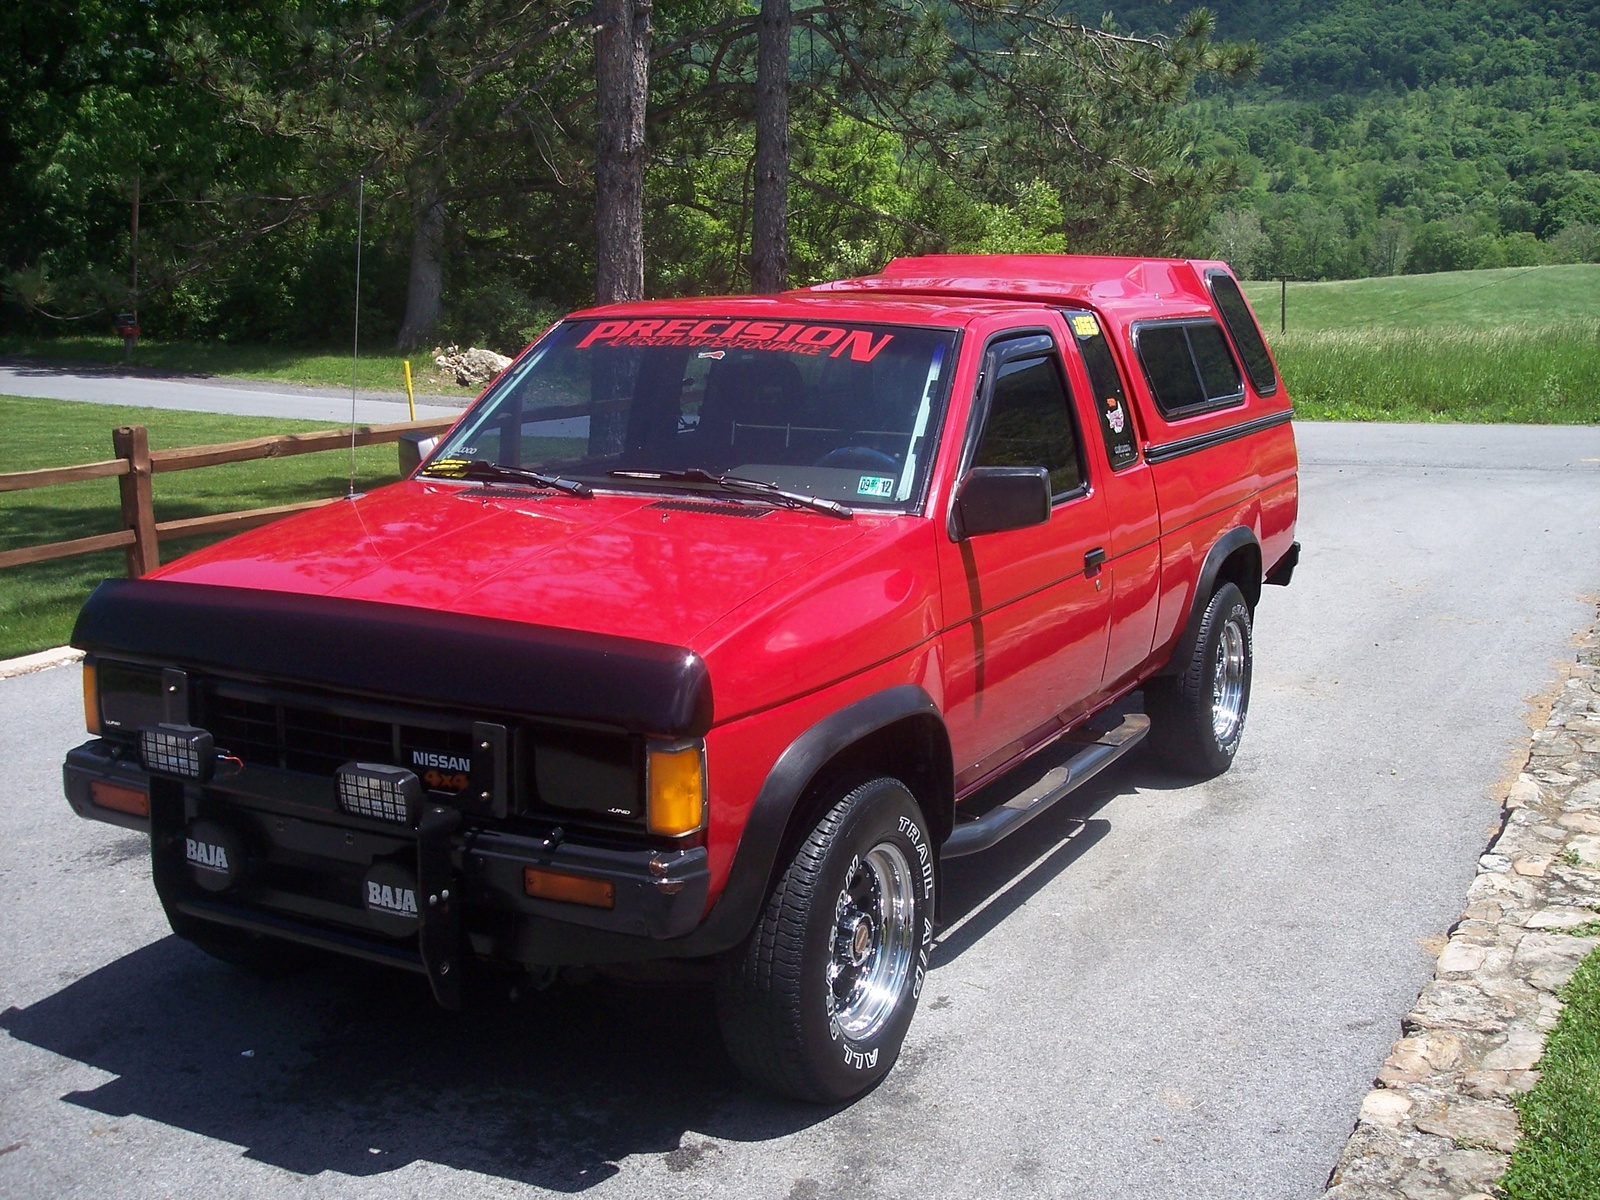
{"type": "Point", "coordinates": [1157, 990]}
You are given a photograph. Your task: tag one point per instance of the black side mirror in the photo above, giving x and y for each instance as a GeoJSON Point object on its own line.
{"type": "Point", "coordinates": [993, 499]}
{"type": "Point", "coordinates": [414, 447]}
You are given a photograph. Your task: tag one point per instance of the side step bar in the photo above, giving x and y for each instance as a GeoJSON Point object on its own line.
{"type": "Point", "coordinates": [1093, 757]}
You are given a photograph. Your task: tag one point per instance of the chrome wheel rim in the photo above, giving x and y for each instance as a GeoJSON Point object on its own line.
{"type": "Point", "coordinates": [1227, 684]}
{"type": "Point", "coordinates": [871, 943]}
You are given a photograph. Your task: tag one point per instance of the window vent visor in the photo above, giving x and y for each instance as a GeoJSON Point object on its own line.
{"type": "Point", "coordinates": [177, 751]}
{"type": "Point", "coordinates": [379, 792]}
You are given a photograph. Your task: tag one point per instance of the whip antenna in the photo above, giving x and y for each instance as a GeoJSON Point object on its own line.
{"type": "Point", "coordinates": [355, 348]}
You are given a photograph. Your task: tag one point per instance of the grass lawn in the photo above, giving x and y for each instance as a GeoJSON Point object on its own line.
{"type": "Point", "coordinates": [1455, 299]}
{"type": "Point", "coordinates": [1513, 345]}
{"type": "Point", "coordinates": [38, 603]}
{"type": "Point", "coordinates": [1520, 344]}
{"type": "Point", "coordinates": [1559, 1156]}
{"type": "Point", "coordinates": [310, 367]}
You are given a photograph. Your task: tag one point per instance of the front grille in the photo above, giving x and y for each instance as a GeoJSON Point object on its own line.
{"type": "Point", "coordinates": [295, 735]}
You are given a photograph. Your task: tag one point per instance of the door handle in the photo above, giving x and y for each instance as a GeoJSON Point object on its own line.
{"type": "Point", "coordinates": [1093, 561]}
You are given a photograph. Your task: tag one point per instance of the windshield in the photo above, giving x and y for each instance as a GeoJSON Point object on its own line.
{"type": "Point", "coordinates": [844, 412]}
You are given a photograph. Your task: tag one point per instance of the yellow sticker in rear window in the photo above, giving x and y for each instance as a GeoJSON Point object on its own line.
{"type": "Point", "coordinates": [1085, 326]}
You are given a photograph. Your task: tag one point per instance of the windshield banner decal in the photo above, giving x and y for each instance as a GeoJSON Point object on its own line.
{"type": "Point", "coordinates": [861, 345]}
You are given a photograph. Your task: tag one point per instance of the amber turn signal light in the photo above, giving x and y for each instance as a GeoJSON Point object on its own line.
{"type": "Point", "coordinates": [574, 889]}
{"type": "Point", "coordinates": [676, 779]}
{"type": "Point", "coordinates": [133, 801]}
{"type": "Point", "coordinates": [91, 697]}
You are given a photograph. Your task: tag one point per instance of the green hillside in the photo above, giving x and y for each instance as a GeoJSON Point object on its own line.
{"type": "Point", "coordinates": [1413, 136]}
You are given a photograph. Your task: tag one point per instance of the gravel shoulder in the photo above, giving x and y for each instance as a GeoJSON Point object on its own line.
{"type": "Point", "coordinates": [1441, 1123]}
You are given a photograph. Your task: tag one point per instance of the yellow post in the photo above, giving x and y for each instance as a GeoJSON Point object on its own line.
{"type": "Point", "coordinates": [411, 399]}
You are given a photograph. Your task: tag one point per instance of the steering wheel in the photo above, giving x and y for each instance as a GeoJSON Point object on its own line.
{"type": "Point", "coordinates": [858, 458]}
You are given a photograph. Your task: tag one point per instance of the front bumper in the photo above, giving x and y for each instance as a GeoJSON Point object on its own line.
{"type": "Point", "coordinates": [305, 862]}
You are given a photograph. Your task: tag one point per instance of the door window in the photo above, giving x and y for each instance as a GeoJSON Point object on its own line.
{"type": "Point", "coordinates": [1029, 422]}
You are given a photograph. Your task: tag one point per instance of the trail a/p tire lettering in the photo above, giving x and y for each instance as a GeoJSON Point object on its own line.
{"type": "Point", "coordinates": [816, 1003]}
{"type": "Point", "coordinates": [913, 832]}
{"type": "Point", "coordinates": [924, 953]}
{"type": "Point", "coordinates": [858, 1060]}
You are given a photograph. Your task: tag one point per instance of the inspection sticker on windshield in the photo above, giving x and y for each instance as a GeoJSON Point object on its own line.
{"type": "Point", "coordinates": [875, 485]}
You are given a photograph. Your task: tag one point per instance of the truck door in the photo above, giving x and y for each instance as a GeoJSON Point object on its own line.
{"type": "Point", "coordinates": [1027, 609]}
{"type": "Point", "coordinates": [1133, 554]}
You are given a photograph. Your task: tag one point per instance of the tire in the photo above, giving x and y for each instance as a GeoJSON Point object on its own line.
{"type": "Point", "coordinates": [1197, 715]}
{"type": "Point", "coordinates": [815, 1003]}
{"type": "Point", "coordinates": [263, 957]}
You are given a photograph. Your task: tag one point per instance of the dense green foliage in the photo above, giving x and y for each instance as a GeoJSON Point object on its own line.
{"type": "Point", "coordinates": [1559, 1155]}
{"type": "Point", "coordinates": [1411, 136]}
{"type": "Point", "coordinates": [1374, 139]}
{"type": "Point", "coordinates": [972, 124]}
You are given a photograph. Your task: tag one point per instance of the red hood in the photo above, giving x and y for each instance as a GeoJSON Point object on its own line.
{"type": "Point", "coordinates": [614, 564]}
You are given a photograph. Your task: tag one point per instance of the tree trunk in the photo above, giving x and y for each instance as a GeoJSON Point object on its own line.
{"type": "Point", "coordinates": [769, 238]}
{"type": "Point", "coordinates": [622, 83]}
{"type": "Point", "coordinates": [426, 289]}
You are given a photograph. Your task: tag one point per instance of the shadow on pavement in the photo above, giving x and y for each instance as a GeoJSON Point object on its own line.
{"type": "Point", "coordinates": [353, 1068]}
{"type": "Point", "coordinates": [981, 891]}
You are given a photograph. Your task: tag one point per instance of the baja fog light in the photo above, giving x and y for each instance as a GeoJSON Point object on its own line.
{"type": "Point", "coordinates": [675, 788]}
{"type": "Point", "coordinates": [379, 791]}
{"type": "Point", "coordinates": [178, 751]}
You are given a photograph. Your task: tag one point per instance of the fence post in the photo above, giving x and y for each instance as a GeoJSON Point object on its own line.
{"type": "Point", "coordinates": [132, 442]}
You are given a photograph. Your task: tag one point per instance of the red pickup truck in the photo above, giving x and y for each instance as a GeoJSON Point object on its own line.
{"type": "Point", "coordinates": [709, 632]}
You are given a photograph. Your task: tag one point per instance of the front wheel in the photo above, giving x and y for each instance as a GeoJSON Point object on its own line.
{"type": "Point", "coordinates": [816, 1002]}
{"type": "Point", "coordinates": [1197, 716]}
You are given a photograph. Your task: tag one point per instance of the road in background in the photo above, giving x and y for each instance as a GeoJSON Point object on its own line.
{"type": "Point", "coordinates": [1156, 990]}
{"type": "Point", "coordinates": [214, 394]}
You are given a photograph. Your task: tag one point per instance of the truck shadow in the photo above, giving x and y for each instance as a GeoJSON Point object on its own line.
{"type": "Point", "coordinates": [353, 1069]}
{"type": "Point", "coordinates": [981, 891]}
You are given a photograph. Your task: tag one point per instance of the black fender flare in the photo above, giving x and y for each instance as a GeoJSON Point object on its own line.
{"type": "Point", "coordinates": [1238, 538]}
{"type": "Point", "coordinates": [745, 891]}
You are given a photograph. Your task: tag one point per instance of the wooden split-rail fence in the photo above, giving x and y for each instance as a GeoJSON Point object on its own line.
{"type": "Point", "coordinates": [135, 464]}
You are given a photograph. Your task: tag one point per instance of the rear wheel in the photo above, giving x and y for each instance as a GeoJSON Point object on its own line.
{"type": "Point", "coordinates": [816, 1002]}
{"type": "Point", "coordinates": [1198, 715]}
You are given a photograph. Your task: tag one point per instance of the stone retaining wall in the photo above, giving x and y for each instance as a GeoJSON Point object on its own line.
{"type": "Point", "coordinates": [1441, 1123]}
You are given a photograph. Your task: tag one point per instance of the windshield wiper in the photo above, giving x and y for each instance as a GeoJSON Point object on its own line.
{"type": "Point", "coordinates": [484, 471]}
{"type": "Point", "coordinates": [738, 483]}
